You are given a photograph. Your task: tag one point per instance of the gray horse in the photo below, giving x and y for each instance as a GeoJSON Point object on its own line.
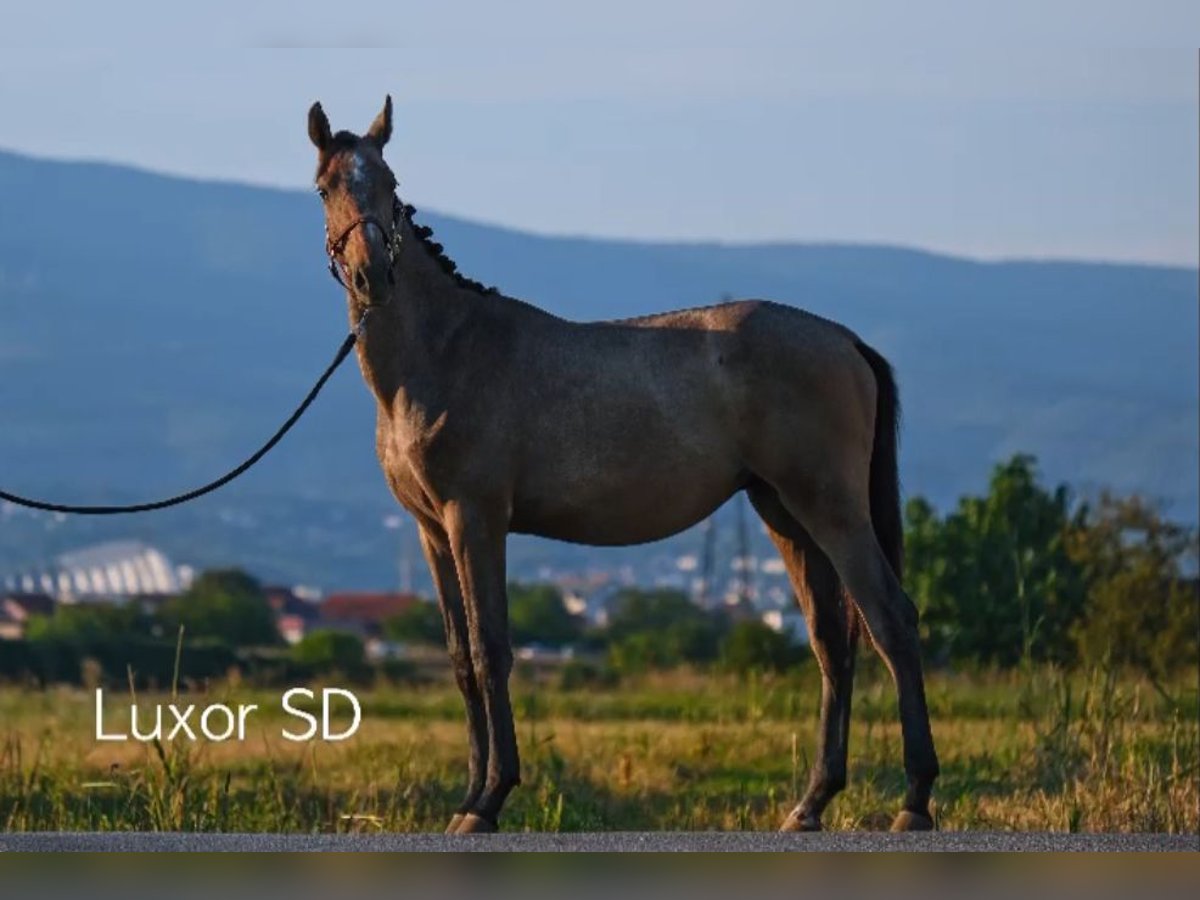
{"type": "Point", "coordinates": [495, 417]}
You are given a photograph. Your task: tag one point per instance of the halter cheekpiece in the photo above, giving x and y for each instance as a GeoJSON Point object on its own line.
{"type": "Point", "coordinates": [334, 247]}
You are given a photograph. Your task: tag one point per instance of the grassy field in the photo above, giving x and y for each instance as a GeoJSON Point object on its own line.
{"type": "Point", "coordinates": [683, 751]}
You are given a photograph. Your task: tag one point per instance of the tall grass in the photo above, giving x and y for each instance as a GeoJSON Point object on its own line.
{"type": "Point", "coordinates": [1037, 749]}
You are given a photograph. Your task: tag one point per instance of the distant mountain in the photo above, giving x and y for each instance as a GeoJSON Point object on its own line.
{"type": "Point", "coordinates": [154, 330]}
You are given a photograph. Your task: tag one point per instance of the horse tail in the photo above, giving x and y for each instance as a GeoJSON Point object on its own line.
{"type": "Point", "coordinates": [885, 474]}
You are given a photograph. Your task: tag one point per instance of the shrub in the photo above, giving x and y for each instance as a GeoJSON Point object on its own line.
{"type": "Point", "coordinates": [576, 674]}
{"type": "Point", "coordinates": [327, 650]}
{"type": "Point", "coordinates": [421, 623]}
{"type": "Point", "coordinates": [752, 646]}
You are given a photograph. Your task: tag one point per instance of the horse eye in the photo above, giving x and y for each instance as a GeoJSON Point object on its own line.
{"type": "Point", "coordinates": [322, 193]}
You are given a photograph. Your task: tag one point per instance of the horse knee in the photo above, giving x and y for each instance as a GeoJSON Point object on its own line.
{"type": "Point", "coordinates": [459, 653]}
{"type": "Point", "coordinates": [492, 662]}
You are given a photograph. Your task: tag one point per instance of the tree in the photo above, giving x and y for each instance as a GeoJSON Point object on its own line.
{"type": "Point", "coordinates": [421, 623]}
{"type": "Point", "coordinates": [83, 623]}
{"type": "Point", "coordinates": [661, 629]}
{"type": "Point", "coordinates": [226, 605]}
{"type": "Point", "coordinates": [636, 611]}
{"type": "Point", "coordinates": [329, 650]}
{"type": "Point", "coordinates": [752, 646]}
{"type": "Point", "coordinates": [536, 613]}
{"type": "Point", "coordinates": [1141, 610]}
{"type": "Point", "coordinates": [993, 580]}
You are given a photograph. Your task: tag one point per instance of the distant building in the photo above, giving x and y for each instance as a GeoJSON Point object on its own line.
{"type": "Point", "coordinates": [363, 613]}
{"type": "Point", "coordinates": [772, 565]}
{"type": "Point", "coordinates": [593, 604]}
{"type": "Point", "coordinates": [17, 608]}
{"type": "Point", "coordinates": [113, 571]}
{"type": "Point", "coordinates": [381, 650]}
{"type": "Point", "coordinates": [21, 606]}
{"type": "Point", "coordinates": [294, 615]}
{"type": "Point", "coordinates": [10, 630]}
{"type": "Point", "coordinates": [787, 621]}
{"type": "Point", "coordinates": [541, 653]}
{"type": "Point", "coordinates": [292, 628]}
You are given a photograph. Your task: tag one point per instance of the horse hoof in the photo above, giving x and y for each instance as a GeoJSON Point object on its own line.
{"type": "Point", "coordinates": [907, 820]}
{"type": "Point", "coordinates": [473, 824]}
{"type": "Point", "coordinates": [795, 822]}
{"type": "Point", "coordinates": [455, 821]}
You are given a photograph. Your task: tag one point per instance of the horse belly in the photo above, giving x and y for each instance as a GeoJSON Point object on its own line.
{"type": "Point", "coordinates": [629, 502]}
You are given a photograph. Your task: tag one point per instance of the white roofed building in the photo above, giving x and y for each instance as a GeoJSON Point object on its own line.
{"type": "Point", "coordinates": [113, 571]}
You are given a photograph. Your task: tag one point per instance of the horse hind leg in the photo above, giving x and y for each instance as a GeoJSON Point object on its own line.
{"type": "Point", "coordinates": [841, 526]}
{"type": "Point", "coordinates": [833, 636]}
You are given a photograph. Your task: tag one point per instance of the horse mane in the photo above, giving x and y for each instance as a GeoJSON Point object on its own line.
{"type": "Point", "coordinates": [425, 235]}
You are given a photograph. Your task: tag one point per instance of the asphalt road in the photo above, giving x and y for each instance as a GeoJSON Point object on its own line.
{"type": "Point", "coordinates": [746, 841]}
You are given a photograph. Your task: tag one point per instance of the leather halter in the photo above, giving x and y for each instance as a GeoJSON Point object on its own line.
{"type": "Point", "coordinates": [334, 247]}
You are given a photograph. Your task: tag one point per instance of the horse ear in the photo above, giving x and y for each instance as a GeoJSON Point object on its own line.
{"type": "Point", "coordinates": [381, 128]}
{"type": "Point", "coordinates": [318, 127]}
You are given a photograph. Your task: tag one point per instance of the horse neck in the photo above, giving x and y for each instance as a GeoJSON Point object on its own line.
{"type": "Point", "coordinates": [405, 338]}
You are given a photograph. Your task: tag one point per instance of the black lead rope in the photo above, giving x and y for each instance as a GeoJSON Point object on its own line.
{"type": "Point", "coordinates": [343, 352]}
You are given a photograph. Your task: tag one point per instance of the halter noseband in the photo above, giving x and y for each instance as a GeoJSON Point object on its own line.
{"type": "Point", "coordinates": [334, 248]}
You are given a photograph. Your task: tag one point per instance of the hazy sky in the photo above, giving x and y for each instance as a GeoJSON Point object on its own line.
{"type": "Point", "coordinates": [1041, 134]}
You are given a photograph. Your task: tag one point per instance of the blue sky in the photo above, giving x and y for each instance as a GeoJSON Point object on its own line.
{"type": "Point", "coordinates": [1066, 130]}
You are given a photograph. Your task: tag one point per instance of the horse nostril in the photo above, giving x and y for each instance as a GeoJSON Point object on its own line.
{"type": "Point", "coordinates": [360, 280]}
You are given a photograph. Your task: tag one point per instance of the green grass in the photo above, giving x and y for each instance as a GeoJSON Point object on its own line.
{"type": "Point", "coordinates": [1032, 751]}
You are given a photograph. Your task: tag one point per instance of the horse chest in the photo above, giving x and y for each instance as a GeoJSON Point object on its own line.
{"type": "Point", "coordinates": [403, 459]}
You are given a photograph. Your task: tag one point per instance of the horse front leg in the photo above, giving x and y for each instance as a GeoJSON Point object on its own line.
{"type": "Point", "coordinates": [436, 545]}
{"type": "Point", "coordinates": [477, 540]}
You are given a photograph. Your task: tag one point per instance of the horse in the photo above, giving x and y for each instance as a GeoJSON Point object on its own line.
{"type": "Point", "coordinates": [497, 417]}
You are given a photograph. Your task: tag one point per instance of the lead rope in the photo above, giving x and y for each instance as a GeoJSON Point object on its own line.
{"type": "Point", "coordinates": [343, 352]}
